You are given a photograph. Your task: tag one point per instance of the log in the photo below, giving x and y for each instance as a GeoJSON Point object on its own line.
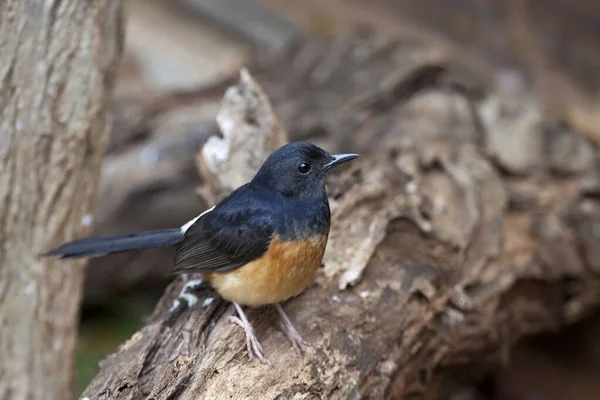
{"type": "Point", "coordinates": [57, 73]}
{"type": "Point", "coordinates": [468, 223]}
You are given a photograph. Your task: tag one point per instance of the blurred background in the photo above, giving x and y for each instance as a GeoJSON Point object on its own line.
{"type": "Point", "coordinates": [180, 56]}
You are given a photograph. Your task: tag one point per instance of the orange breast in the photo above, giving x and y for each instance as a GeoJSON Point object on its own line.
{"type": "Point", "coordinates": [284, 271]}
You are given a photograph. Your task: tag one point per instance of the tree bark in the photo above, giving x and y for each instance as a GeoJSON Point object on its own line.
{"type": "Point", "coordinates": [468, 223]}
{"type": "Point", "coordinates": [57, 70]}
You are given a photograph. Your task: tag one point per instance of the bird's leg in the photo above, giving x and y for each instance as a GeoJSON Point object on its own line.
{"type": "Point", "coordinates": [252, 343]}
{"type": "Point", "coordinates": [298, 342]}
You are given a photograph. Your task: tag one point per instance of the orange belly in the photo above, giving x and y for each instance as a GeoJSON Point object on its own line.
{"type": "Point", "coordinates": [284, 271]}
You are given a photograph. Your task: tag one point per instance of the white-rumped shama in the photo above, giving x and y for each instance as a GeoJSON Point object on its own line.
{"type": "Point", "coordinates": [260, 245]}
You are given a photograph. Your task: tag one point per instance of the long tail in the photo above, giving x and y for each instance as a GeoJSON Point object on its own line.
{"type": "Point", "coordinates": [101, 245]}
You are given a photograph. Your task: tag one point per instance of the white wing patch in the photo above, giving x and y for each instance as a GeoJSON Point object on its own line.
{"type": "Point", "coordinates": [185, 227]}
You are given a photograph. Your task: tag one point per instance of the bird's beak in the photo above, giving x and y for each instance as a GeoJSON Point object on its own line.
{"type": "Point", "coordinates": [337, 159]}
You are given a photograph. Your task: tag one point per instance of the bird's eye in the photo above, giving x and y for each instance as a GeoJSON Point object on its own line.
{"type": "Point", "coordinates": [304, 168]}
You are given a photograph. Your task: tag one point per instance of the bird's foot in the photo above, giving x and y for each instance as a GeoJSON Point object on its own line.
{"type": "Point", "coordinates": [252, 343]}
{"type": "Point", "coordinates": [299, 344]}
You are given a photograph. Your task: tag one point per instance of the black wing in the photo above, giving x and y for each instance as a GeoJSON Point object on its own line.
{"type": "Point", "coordinates": [224, 239]}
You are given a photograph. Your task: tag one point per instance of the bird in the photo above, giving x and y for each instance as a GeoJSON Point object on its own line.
{"type": "Point", "coordinates": [260, 245]}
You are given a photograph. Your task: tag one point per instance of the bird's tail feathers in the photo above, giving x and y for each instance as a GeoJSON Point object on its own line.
{"type": "Point", "coordinates": [101, 245]}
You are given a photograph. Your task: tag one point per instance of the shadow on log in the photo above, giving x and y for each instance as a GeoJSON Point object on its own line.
{"type": "Point", "coordinates": [468, 224]}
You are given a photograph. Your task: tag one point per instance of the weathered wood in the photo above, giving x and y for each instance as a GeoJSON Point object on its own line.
{"type": "Point", "coordinates": [57, 70]}
{"type": "Point", "coordinates": [230, 161]}
{"type": "Point", "coordinates": [445, 247]}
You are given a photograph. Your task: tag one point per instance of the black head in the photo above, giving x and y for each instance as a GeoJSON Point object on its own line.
{"type": "Point", "coordinates": [298, 169]}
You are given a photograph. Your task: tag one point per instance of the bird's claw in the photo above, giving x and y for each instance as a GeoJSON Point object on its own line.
{"type": "Point", "coordinates": [299, 344]}
{"type": "Point", "coordinates": [252, 344]}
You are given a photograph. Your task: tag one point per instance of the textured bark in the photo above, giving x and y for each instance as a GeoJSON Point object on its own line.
{"type": "Point", "coordinates": [468, 223]}
{"type": "Point", "coordinates": [57, 69]}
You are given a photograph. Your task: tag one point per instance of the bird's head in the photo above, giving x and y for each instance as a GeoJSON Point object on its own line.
{"type": "Point", "coordinates": [298, 169]}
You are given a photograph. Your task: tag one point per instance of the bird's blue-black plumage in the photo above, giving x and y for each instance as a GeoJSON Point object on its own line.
{"type": "Point", "coordinates": [279, 201]}
{"type": "Point", "coordinates": [283, 200]}
{"type": "Point", "coordinates": [241, 227]}
{"type": "Point", "coordinates": [111, 244]}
